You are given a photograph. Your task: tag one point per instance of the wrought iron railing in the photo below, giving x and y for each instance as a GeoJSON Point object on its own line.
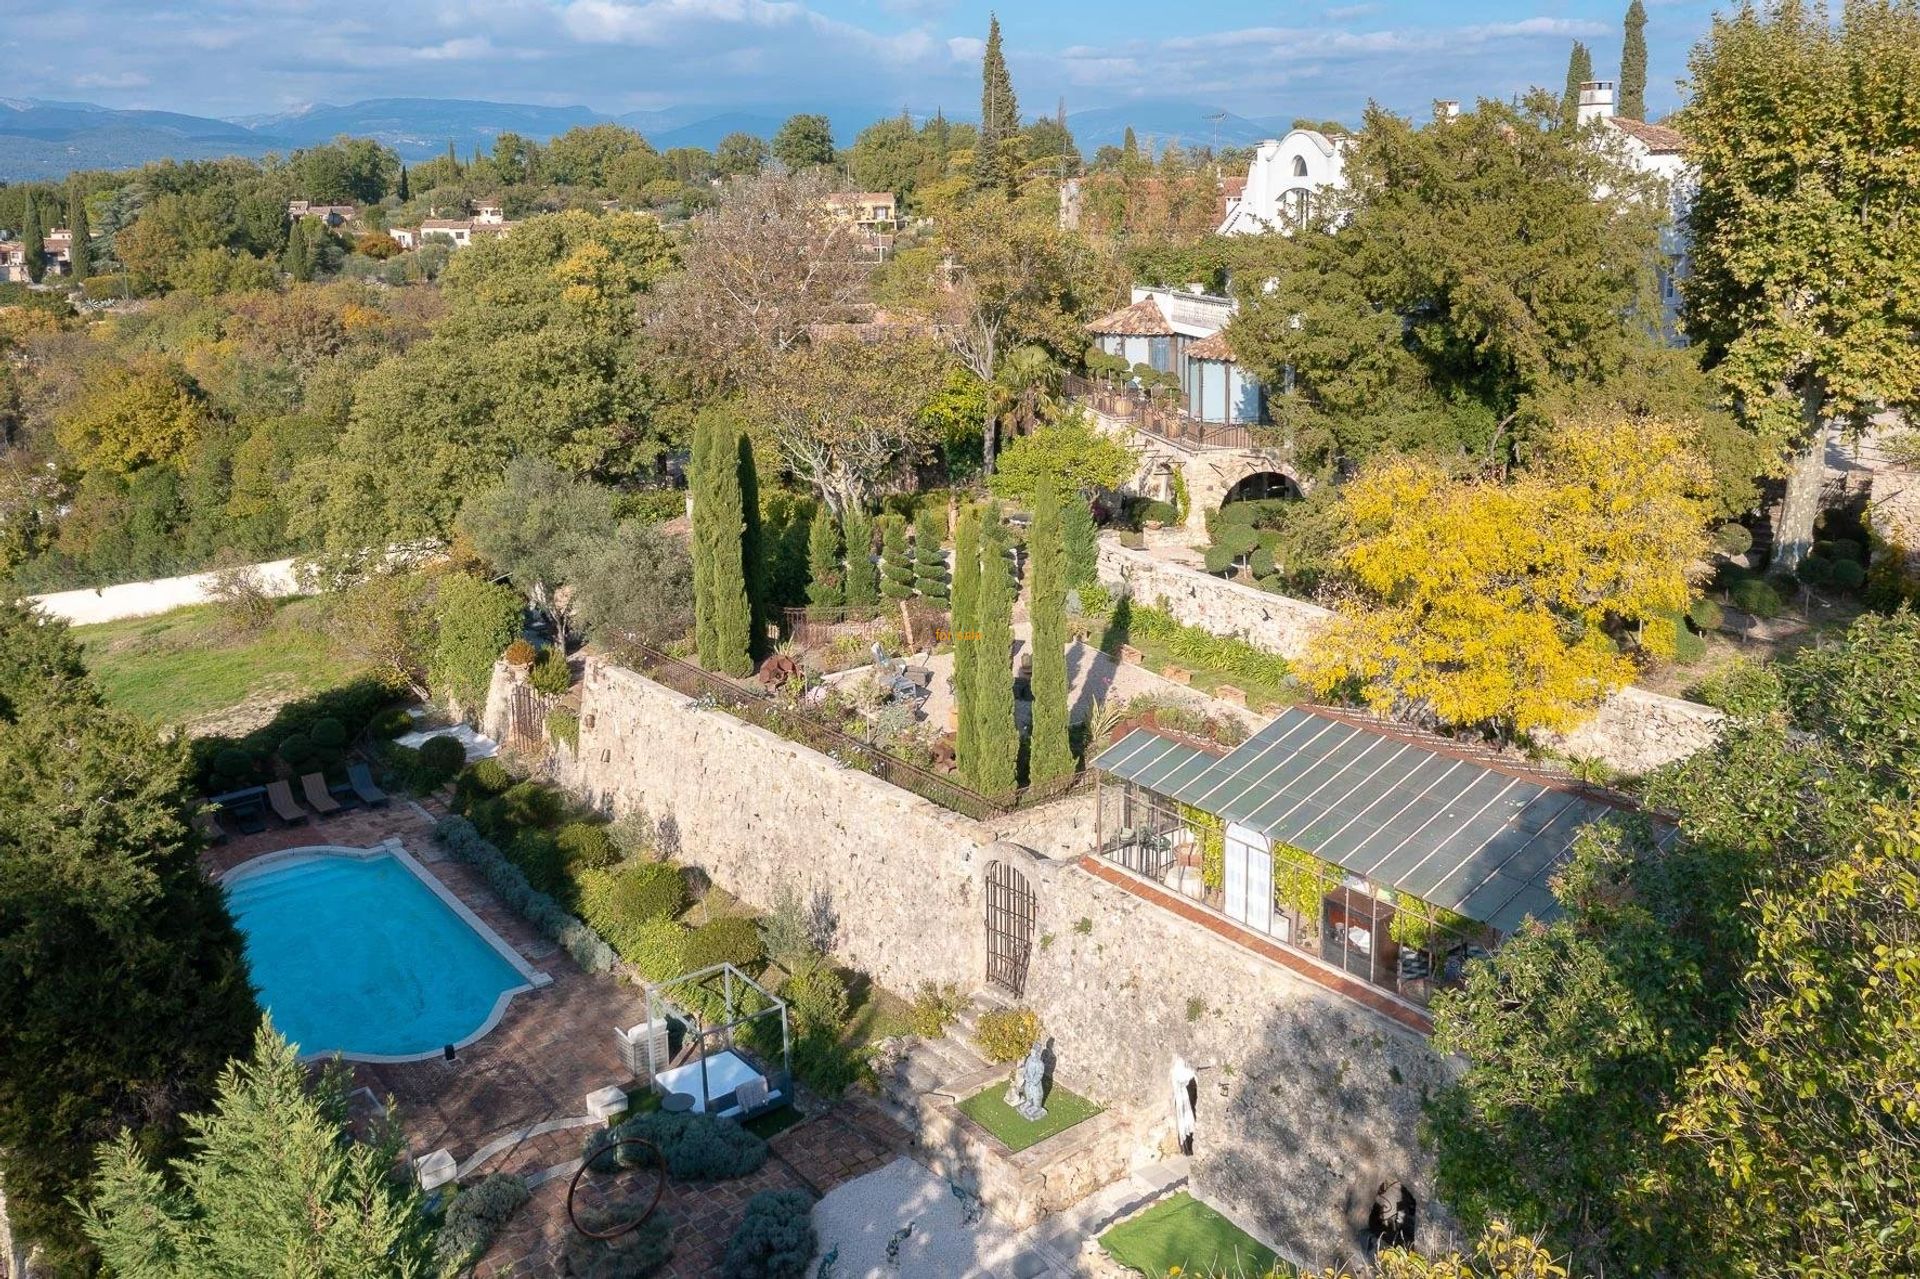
{"type": "Point", "coordinates": [799, 724]}
{"type": "Point", "coordinates": [1157, 414]}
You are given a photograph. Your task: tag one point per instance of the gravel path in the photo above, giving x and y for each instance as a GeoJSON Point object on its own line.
{"type": "Point", "coordinates": [862, 1216]}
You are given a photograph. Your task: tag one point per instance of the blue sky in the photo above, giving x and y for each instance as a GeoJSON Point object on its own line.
{"type": "Point", "coordinates": [231, 57]}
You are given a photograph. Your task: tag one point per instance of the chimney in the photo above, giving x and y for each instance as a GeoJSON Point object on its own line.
{"type": "Point", "coordinates": [1596, 101]}
{"type": "Point", "coordinates": [1446, 109]}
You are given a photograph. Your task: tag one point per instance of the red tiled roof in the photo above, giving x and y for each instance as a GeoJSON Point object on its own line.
{"type": "Point", "coordinates": [1211, 348]}
{"type": "Point", "coordinates": [1141, 320]}
{"type": "Point", "coordinates": [1657, 138]}
{"type": "Point", "coordinates": [1235, 188]}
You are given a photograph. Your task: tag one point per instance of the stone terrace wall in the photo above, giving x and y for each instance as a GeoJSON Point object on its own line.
{"type": "Point", "coordinates": [1308, 1101]}
{"type": "Point", "coordinates": [1277, 623]}
{"type": "Point", "coordinates": [1633, 731]}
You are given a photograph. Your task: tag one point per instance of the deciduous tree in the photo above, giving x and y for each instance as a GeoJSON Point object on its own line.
{"type": "Point", "coordinates": [475, 621]}
{"type": "Point", "coordinates": [1072, 456]}
{"type": "Point", "coordinates": [637, 585]}
{"type": "Point", "coordinates": [1804, 263]}
{"type": "Point", "coordinates": [804, 142]}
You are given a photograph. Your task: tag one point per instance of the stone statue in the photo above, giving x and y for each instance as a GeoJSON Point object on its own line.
{"type": "Point", "coordinates": [1028, 1085]}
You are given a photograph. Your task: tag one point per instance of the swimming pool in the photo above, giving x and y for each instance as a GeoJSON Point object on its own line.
{"type": "Point", "coordinates": [355, 953]}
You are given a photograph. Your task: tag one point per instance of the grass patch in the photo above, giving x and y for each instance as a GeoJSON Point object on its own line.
{"type": "Point", "coordinates": [185, 668]}
{"type": "Point", "coordinates": [1064, 1110]}
{"type": "Point", "coordinates": [1181, 1231]}
{"type": "Point", "coordinates": [773, 1123]}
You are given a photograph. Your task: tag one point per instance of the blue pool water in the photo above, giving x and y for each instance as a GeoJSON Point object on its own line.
{"type": "Point", "coordinates": [358, 956]}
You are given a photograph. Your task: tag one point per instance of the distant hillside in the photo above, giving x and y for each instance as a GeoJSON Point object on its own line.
{"type": "Point", "coordinates": [1191, 124]}
{"type": "Point", "coordinates": [48, 140]}
{"type": "Point", "coordinates": [420, 128]}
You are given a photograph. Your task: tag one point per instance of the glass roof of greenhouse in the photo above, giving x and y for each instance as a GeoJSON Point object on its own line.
{"type": "Point", "coordinates": [1412, 817]}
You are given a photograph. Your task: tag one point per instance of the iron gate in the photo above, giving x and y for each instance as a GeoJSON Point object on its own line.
{"type": "Point", "coordinates": [1009, 927]}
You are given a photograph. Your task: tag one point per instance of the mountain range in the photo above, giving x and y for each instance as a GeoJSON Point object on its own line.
{"type": "Point", "coordinates": [44, 141]}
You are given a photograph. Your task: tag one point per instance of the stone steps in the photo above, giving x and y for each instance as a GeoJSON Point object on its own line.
{"type": "Point", "coordinates": [1062, 1240]}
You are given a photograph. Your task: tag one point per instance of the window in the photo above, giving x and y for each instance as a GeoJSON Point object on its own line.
{"type": "Point", "coordinates": [1299, 205]}
{"type": "Point", "coordinates": [1160, 354]}
{"type": "Point", "coordinates": [1299, 166]}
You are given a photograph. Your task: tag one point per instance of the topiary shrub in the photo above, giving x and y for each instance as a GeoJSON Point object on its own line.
{"type": "Point", "coordinates": [658, 949]}
{"type": "Point", "coordinates": [1007, 1034]}
{"type": "Point", "coordinates": [1815, 570]}
{"type": "Point", "coordinates": [775, 1240]}
{"type": "Point", "coordinates": [817, 998]}
{"type": "Point", "coordinates": [633, 1255]}
{"type": "Point", "coordinates": [327, 734]}
{"type": "Point", "coordinates": [475, 1217]}
{"type": "Point", "coordinates": [537, 855]}
{"type": "Point", "coordinates": [586, 846]}
{"type": "Point", "coordinates": [1706, 615]}
{"type": "Point", "coordinates": [297, 753]}
{"type": "Point", "coordinates": [519, 653]}
{"type": "Point", "coordinates": [551, 674]}
{"type": "Point", "coordinates": [1754, 596]}
{"type": "Point", "coordinates": [1733, 539]}
{"type": "Point", "coordinates": [1847, 575]}
{"type": "Point", "coordinates": [624, 899]}
{"type": "Point", "coordinates": [389, 724]}
{"type": "Point", "coordinates": [479, 781]}
{"type": "Point", "coordinates": [232, 767]}
{"type": "Point", "coordinates": [1688, 647]}
{"type": "Point", "coordinates": [532, 804]}
{"type": "Point", "coordinates": [734, 940]}
{"type": "Point", "coordinates": [696, 1147]}
{"type": "Point", "coordinates": [441, 758]}
{"type": "Point", "coordinates": [1839, 549]}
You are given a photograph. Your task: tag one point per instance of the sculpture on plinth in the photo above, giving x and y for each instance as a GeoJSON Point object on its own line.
{"type": "Point", "coordinates": [1028, 1085]}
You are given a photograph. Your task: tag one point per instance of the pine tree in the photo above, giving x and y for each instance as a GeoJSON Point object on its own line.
{"type": "Point", "coordinates": [965, 628]}
{"type": "Point", "coordinates": [402, 191]}
{"type": "Point", "coordinates": [1083, 543]}
{"type": "Point", "coordinates": [274, 1183]}
{"type": "Point", "coordinates": [1579, 71]}
{"type": "Point", "coordinates": [1130, 145]}
{"type": "Point", "coordinates": [34, 240]}
{"type": "Point", "coordinates": [996, 737]}
{"type": "Point", "coordinates": [863, 592]}
{"type": "Point", "coordinates": [723, 628]}
{"type": "Point", "coordinates": [929, 559]}
{"type": "Point", "coordinates": [753, 552]}
{"type": "Point", "coordinates": [999, 114]}
{"type": "Point", "coordinates": [1633, 64]}
{"type": "Point", "coordinates": [1049, 754]}
{"type": "Point", "coordinates": [826, 584]}
{"type": "Point", "coordinates": [453, 161]}
{"type": "Point", "coordinates": [81, 255]}
{"type": "Point", "coordinates": [896, 561]}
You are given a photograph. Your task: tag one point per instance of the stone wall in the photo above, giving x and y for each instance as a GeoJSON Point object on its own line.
{"type": "Point", "coordinates": [142, 599]}
{"type": "Point", "coordinates": [1306, 1096]}
{"type": "Point", "coordinates": [1277, 623]}
{"type": "Point", "coordinates": [1632, 732]}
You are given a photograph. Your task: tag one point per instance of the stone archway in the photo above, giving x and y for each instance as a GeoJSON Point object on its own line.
{"type": "Point", "coordinates": [1213, 476]}
{"type": "Point", "coordinates": [1262, 486]}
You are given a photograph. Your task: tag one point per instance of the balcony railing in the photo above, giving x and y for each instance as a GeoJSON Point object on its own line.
{"type": "Point", "coordinates": [1157, 413]}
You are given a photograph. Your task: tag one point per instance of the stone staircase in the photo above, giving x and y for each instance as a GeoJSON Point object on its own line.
{"type": "Point", "coordinates": [1067, 1241]}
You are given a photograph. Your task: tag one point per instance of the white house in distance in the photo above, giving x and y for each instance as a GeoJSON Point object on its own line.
{"type": "Point", "coordinates": [1662, 152]}
{"type": "Point", "coordinates": [1285, 182]}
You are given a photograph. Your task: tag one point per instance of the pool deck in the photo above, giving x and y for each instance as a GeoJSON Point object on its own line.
{"type": "Point", "coordinates": [553, 1046]}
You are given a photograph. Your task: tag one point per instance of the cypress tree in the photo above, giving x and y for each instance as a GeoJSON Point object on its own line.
{"type": "Point", "coordinates": [81, 255]}
{"type": "Point", "coordinates": [1579, 71]}
{"type": "Point", "coordinates": [753, 552]}
{"type": "Point", "coordinates": [1049, 754]}
{"type": "Point", "coordinates": [298, 259]}
{"type": "Point", "coordinates": [826, 587]}
{"type": "Point", "coordinates": [453, 161]}
{"type": "Point", "coordinates": [34, 241]}
{"type": "Point", "coordinates": [929, 560]}
{"type": "Point", "coordinates": [402, 190]}
{"type": "Point", "coordinates": [863, 592]}
{"type": "Point", "coordinates": [1633, 64]}
{"type": "Point", "coordinates": [1082, 541]}
{"type": "Point", "coordinates": [996, 737]}
{"type": "Point", "coordinates": [999, 113]}
{"type": "Point", "coordinates": [1130, 145]}
{"type": "Point", "coordinates": [698, 470]}
{"type": "Point", "coordinates": [723, 628]}
{"type": "Point", "coordinates": [896, 561]}
{"type": "Point", "coordinates": [966, 631]}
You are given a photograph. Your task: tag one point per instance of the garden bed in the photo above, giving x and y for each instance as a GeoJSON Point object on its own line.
{"type": "Point", "coordinates": [1181, 1235]}
{"type": "Point", "coordinates": [1064, 1110]}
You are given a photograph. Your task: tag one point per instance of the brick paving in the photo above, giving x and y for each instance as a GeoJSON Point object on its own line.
{"type": "Point", "coordinates": [824, 1151]}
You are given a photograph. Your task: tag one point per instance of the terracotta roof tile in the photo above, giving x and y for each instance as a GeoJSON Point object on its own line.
{"type": "Point", "coordinates": [1143, 319]}
{"type": "Point", "coordinates": [1657, 138]}
{"type": "Point", "coordinates": [1211, 348]}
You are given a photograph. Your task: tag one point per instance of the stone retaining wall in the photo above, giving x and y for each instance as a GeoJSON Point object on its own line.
{"type": "Point", "coordinates": [1635, 731]}
{"type": "Point", "coordinates": [1308, 1100]}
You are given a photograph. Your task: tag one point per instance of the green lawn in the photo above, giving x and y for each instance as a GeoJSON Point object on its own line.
{"type": "Point", "coordinates": [1181, 1231]}
{"type": "Point", "coordinates": [184, 668]}
{"type": "Point", "coordinates": [1064, 1110]}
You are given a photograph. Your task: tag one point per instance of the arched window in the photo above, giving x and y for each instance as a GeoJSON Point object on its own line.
{"type": "Point", "coordinates": [1299, 166]}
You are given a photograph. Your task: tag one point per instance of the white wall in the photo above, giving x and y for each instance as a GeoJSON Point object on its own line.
{"type": "Point", "coordinates": [1264, 203]}
{"type": "Point", "coordinates": [142, 599]}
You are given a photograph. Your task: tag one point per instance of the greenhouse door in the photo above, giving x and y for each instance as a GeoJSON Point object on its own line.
{"type": "Point", "coordinates": [1249, 878]}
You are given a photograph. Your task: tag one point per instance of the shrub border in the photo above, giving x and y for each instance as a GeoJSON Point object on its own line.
{"type": "Point", "coordinates": [465, 844]}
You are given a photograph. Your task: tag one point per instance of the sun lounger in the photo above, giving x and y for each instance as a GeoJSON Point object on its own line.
{"type": "Point", "coordinates": [280, 795]}
{"type": "Point", "coordinates": [209, 826]}
{"type": "Point", "coordinates": [315, 787]}
{"type": "Point", "coordinates": [361, 779]}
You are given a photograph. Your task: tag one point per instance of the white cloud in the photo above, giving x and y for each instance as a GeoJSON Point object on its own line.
{"type": "Point", "coordinates": [111, 80]}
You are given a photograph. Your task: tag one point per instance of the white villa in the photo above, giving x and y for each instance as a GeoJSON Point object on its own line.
{"type": "Point", "coordinates": [1662, 152]}
{"type": "Point", "coordinates": [1286, 181]}
{"type": "Point", "coordinates": [1171, 331]}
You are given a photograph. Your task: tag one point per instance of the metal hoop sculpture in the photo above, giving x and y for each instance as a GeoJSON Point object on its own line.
{"type": "Point", "coordinates": [659, 1187]}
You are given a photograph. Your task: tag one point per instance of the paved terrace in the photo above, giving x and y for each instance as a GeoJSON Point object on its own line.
{"type": "Point", "coordinates": [515, 1100]}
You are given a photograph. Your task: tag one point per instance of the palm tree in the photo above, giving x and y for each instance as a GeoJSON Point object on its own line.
{"type": "Point", "coordinates": [1025, 392]}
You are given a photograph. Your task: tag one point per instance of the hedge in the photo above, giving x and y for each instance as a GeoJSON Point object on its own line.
{"type": "Point", "coordinates": [695, 1147]}
{"type": "Point", "coordinates": [589, 950]}
{"type": "Point", "coordinates": [475, 1217]}
{"type": "Point", "coordinates": [776, 1237]}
